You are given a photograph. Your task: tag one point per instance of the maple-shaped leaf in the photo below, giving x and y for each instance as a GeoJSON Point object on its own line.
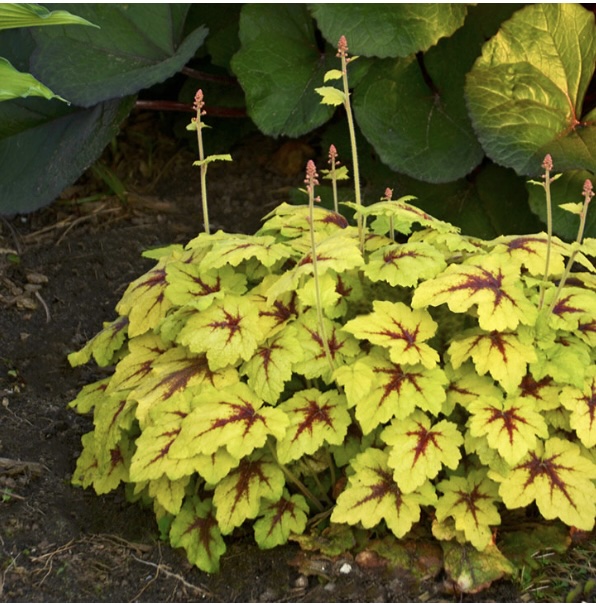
{"type": "Point", "coordinates": [530, 252]}
{"type": "Point", "coordinates": [582, 405]}
{"type": "Point", "coordinates": [195, 529]}
{"type": "Point", "coordinates": [227, 332]}
{"type": "Point", "coordinates": [115, 415]}
{"type": "Point", "coordinates": [466, 385]}
{"type": "Point", "coordinates": [400, 329]}
{"type": "Point", "coordinates": [543, 393]}
{"type": "Point", "coordinates": [559, 478]}
{"type": "Point", "coordinates": [90, 396]}
{"type": "Point", "coordinates": [572, 305]}
{"type": "Point", "coordinates": [274, 314]}
{"type": "Point", "coordinates": [237, 248]}
{"type": "Point", "coordinates": [279, 519]}
{"type": "Point", "coordinates": [381, 389]}
{"type": "Point", "coordinates": [271, 366]}
{"type": "Point", "coordinates": [215, 466]}
{"type": "Point", "coordinates": [144, 301]}
{"type": "Point", "coordinates": [511, 426]}
{"type": "Point", "coordinates": [586, 331]}
{"type": "Point", "coordinates": [564, 358]}
{"type": "Point", "coordinates": [169, 494]}
{"type": "Point", "coordinates": [191, 284]}
{"type": "Point", "coordinates": [404, 264]}
{"type": "Point", "coordinates": [504, 355]}
{"type": "Point", "coordinates": [239, 495]}
{"type": "Point", "coordinates": [315, 418]}
{"type": "Point", "coordinates": [490, 283]}
{"type": "Point", "coordinates": [373, 496]}
{"type": "Point", "coordinates": [234, 417]}
{"type": "Point", "coordinates": [342, 346]}
{"type": "Point", "coordinates": [471, 501]}
{"type": "Point", "coordinates": [103, 346]}
{"type": "Point", "coordinates": [419, 450]}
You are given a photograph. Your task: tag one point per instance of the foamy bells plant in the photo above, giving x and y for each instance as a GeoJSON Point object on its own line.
{"type": "Point", "coordinates": [400, 377]}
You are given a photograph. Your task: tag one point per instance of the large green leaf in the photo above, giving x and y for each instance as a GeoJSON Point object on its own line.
{"type": "Point", "coordinates": [388, 30]}
{"type": "Point", "coordinates": [137, 46]}
{"type": "Point", "coordinates": [32, 15]}
{"type": "Point", "coordinates": [525, 92]}
{"type": "Point", "coordinates": [278, 66]}
{"type": "Point", "coordinates": [15, 84]}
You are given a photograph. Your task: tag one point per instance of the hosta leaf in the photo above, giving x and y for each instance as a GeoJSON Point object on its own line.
{"type": "Point", "coordinates": [399, 329]}
{"type": "Point", "coordinates": [271, 366]}
{"type": "Point", "coordinates": [195, 529]}
{"type": "Point", "coordinates": [373, 496]}
{"type": "Point", "coordinates": [280, 519]}
{"type": "Point", "coordinates": [530, 251]}
{"type": "Point", "coordinates": [492, 284]}
{"type": "Point", "coordinates": [226, 332]}
{"type": "Point", "coordinates": [405, 264]}
{"type": "Point", "coordinates": [558, 478]}
{"type": "Point", "coordinates": [191, 284]}
{"type": "Point", "coordinates": [316, 418]}
{"type": "Point", "coordinates": [504, 355]}
{"type": "Point", "coordinates": [102, 346]}
{"type": "Point", "coordinates": [419, 450]}
{"type": "Point", "coordinates": [144, 301]}
{"type": "Point", "coordinates": [471, 501]}
{"type": "Point", "coordinates": [233, 417]}
{"type": "Point", "coordinates": [169, 493]}
{"type": "Point", "coordinates": [582, 405]}
{"type": "Point", "coordinates": [510, 426]}
{"type": "Point", "coordinates": [381, 390]}
{"type": "Point", "coordinates": [235, 249]}
{"type": "Point", "coordinates": [238, 496]}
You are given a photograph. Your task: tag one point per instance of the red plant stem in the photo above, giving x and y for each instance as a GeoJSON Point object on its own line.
{"type": "Point", "coordinates": [175, 106]}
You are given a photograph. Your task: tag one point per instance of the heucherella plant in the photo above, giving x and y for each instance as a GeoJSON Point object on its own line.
{"type": "Point", "coordinates": [395, 375]}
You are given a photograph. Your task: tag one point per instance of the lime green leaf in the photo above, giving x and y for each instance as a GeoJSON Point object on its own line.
{"type": "Point", "coordinates": [510, 426]}
{"type": "Point", "coordinates": [227, 331]}
{"type": "Point", "coordinates": [419, 451]}
{"type": "Point", "coordinates": [16, 84]}
{"type": "Point", "coordinates": [233, 417]}
{"type": "Point", "coordinates": [271, 366]}
{"type": "Point", "coordinates": [280, 519]}
{"type": "Point", "coordinates": [504, 355]}
{"type": "Point", "coordinates": [563, 359]}
{"type": "Point", "coordinates": [491, 283]}
{"type": "Point", "coordinates": [405, 264]}
{"type": "Point", "coordinates": [169, 494]}
{"type": "Point", "coordinates": [544, 393]}
{"type": "Point", "coordinates": [144, 301]}
{"type": "Point", "coordinates": [90, 396]}
{"type": "Point", "coordinates": [331, 95]}
{"type": "Point", "coordinates": [239, 495]}
{"type": "Point", "coordinates": [102, 346]}
{"type": "Point", "coordinates": [582, 405]}
{"type": "Point", "coordinates": [572, 305]}
{"type": "Point", "coordinates": [558, 478]}
{"type": "Point", "coordinates": [530, 251]}
{"type": "Point", "coordinates": [523, 106]}
{"type": "Point", "coordinates": [399, 329]}
{"type": "Point", "coordinates": [315, 418]}
{"type": "Point", "coordinates": [333, 74]}
{"type": "Point", "coordinates": [466, 385]}
{"type": "Point", "coordinates": [211, 158]}
{"type": "Point", "coordinates": [235, 249]}
{"type": "Point", "coordinates": [113, 417]}
{"type": "Point", "coordinates": [216, 466]}
{"type": "Point", "coordinates": [373, 496]}
{"type": "Point", "coordinates": [471, 502]}
{"type": "Point", "coordinates": [195, 529]}
{"type": "Point", "coordinates": [34, 15]}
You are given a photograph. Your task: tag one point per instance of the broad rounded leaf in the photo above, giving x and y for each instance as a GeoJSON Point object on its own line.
{"type": "Point", "coordinates": [16, 84]}
{"type": "Point", "coordinates": [280, 519]}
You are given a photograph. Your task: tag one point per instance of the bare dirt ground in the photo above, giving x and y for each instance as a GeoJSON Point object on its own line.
{"type": "Point", "coordinates": [62, 270]}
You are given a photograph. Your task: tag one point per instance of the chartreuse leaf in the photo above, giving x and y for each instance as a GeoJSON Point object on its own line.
{"type": "Point", "coordinates": [405, 264]}
{"type": "Point", "coordinates": [573, 304]}
{"type": "Point", "coordinates": [227, 331]}
{"type": "Point", "coordinates": [492, 283]}
{"type": "Point", "coordinates": [234, 417]}
{"type": "Point", "coordinates": [529, 251]}
{"type": "Point", "coordinates": [582, 405]}
{"type": "Point", "coordinates": [373, 496]}
{"type": "Point", "coordinates": [280, 519]}
{"type": "Point", "coordinates": [113, 417]}
{"type": "Point", "coordinates": [17, 84]}
{"type": "Point", "coordinates": [504, 355]}
{"type": "Point", "coordinates": [466, 385]}
{"type": "Point", "coordinates": [471, 501]}
{"type": "Point", "coordinates": [235, 249]}
{"type": "Point", "coordinates": [195, 529]}
{"type": "Point", "coordinates": [239, 495]}
{"type": "Point", "coordinates": [558, 478]}
{"type": "Point", "coordinates": [381, 389]}
{"type": "Point", "coordinates": [271, 366]}
{"type": "Point", "coordinates": [418, 450]}
{"type": "Point", "coordinates": [543, 393]}
{"type": "Point", "coordinates": [564, 359]}
{"type": "Point", "coordinates": [316, 418]}
{"type": "Point", "coordinates": [511, 426]}
{"type": "Point", "coordinates": [103, 345]}
{"type": "Point", "coordinates": [34, 15]}
{"type": "Point", "coordinates": [90, 396]}
{"type": "Point", "coordinates": [145, 302]}
{"type": "Point", "coordinates": [169, 494]}
{"type": "Point", "coordinates": [400, 329]}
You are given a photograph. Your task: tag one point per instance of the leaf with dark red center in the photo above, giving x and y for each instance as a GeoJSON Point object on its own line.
{"type": "Point", "coordinates": [103, 346]}
{"type": "Point", "coordinates": [558, 478]}
{"type": "Point", "coordinates": [234, 249]}
{"type": "Point", "coordinates": [471, 501]}
{"type": "Point", "coordinates": [543, 393]}
{"type": "Point", "coordinates": [573, 305]}
{"type": "Point", "coordinates": [90, 396]}
{"type": "Point", "coordinates": [316, 418]}
{"type": "Point", "coordinates": [490, 283]}
{"type": "Point", "coordinates": [373, 496]}
{"type": "Point", "coordinates": [195, 529]}
{"type": "Point", "coordinates": [280, 519]}
{"type": "Point", "coordinates": [169, 494]}
{"type": "Point", "coordinates": [564, 358]}
{"type": "Point", "coordinates": [582, 405]}
{"type": "Point", "coordinates": [530, 251]}
{"type": "Point", "coordinates": [113, 417]}
{"type": "Point", "coordinates": [418, 450]}
{"type": "Point", "coordinates": [239, 495]}
{"type": "Point", "coordinates": [466, 386]}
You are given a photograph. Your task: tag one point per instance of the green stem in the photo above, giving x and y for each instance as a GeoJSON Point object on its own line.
{"type": "Point", "coordinates": [549, 235]}
{"type": "Point", "coordinates": [203, 168]}
{"type": "Point", "coordinates": [334, 186]}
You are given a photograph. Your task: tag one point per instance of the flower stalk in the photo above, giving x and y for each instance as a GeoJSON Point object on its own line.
{"type": "Point", "coordinates": [198, 105]}
{"type": "Point", "coordinates": [547, 164]}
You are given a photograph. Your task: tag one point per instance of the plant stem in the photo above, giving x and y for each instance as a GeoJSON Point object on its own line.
{"type": "Point", "coordinates": [548, 166]}
{"type": "Point", "coordinates": [198, 106]}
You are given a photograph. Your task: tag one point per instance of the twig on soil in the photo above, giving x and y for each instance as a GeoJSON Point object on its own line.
{"type": "Point", "coordinates": [10, 494]}
{"type": "Point", "coordinates": [45, 306]}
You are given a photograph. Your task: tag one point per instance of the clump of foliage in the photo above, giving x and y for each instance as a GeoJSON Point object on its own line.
{"type": "Point", "coordinates": [393, 375]}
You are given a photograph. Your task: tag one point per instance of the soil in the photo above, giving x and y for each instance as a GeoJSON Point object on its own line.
{"type": "Point", "coordinates": [62, 270]}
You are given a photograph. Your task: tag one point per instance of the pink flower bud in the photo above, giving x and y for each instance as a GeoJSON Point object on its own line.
{"type": "Point", "coordinates": [332, 152]}
{"type": "Point", "coordinates": [547, 164]}
{"type": "Point", "coordinates": [342, 47]}
{"type": "Point", "coordinates": [388, 194]}
{"type": "Point", "coordinates": [311, 174]}
{"type": "Point", "coordinates": [199, 102]}
{"type": "Point", "coordinates": [588, 191]}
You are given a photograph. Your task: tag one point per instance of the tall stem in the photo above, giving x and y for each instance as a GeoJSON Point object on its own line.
{"type": "Point", "coordinates": [548, 166]}
{"type": "Point", "coordinates": [198, 107]}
